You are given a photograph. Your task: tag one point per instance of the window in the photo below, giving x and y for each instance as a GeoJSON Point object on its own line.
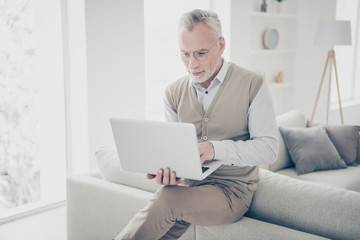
{"type": "Point", "coordinates": [32, 111]}
{"type": "Point", "coordinates": [162, 64]}
{"type": "Point", "coordinates": [346, 56]}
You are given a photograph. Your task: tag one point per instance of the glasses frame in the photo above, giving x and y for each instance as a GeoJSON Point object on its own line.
{"type": "Point", "coordinates": [186, 58]}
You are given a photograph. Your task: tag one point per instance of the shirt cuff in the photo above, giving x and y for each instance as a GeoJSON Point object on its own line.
{"type": "Point", "coordinates": [220, 150]}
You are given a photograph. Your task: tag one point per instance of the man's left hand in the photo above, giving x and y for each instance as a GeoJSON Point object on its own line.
{"type": "Point", "coordinates": [207, 152]}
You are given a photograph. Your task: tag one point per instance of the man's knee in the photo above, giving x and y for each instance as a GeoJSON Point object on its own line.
{"type": "Point", "coordinates": [169, 197]}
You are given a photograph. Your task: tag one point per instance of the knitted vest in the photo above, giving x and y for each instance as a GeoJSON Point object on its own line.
{"type": "Point", "coordinates": [225, 119]}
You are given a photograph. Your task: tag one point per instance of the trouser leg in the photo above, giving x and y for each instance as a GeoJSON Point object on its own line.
{"type": "Point", "coordinates": [204, 205]}
{"type": "Point", "coordinates": [177, 230]}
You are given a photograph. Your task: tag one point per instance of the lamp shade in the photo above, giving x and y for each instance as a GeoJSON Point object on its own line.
{"type": "Point", "coordinates": [333, 32]}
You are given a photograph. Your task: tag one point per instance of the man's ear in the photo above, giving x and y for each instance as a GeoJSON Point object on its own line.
{"type": "Point", "coordinates": [222, 45]}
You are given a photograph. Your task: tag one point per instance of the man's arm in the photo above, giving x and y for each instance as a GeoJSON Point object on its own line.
{"type": "Point", "coordinates": [169, 113]}
{"type": "Point", "coordinates": [262, 147]}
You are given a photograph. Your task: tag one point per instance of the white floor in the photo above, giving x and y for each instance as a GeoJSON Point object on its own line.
{"type": "Point", "coordinates": [50, 224]}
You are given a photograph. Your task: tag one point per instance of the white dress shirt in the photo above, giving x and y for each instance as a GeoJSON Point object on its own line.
{"type": "Point", "coordinates": [262, 146]}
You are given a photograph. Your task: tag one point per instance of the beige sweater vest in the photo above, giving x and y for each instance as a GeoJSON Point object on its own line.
{"type": "Point", "coordinates": [225, 119]}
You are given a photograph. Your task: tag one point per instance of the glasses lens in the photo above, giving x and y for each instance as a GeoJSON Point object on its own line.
{"type": "Point", "coordinates": [200, 55]}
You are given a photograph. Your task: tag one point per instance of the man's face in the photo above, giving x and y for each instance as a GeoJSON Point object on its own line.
{"type": "Point", "coordinates": [201, 40]}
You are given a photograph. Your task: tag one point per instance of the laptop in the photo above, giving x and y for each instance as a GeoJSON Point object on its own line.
{"type": "Point", "coordinates": [146, 146]}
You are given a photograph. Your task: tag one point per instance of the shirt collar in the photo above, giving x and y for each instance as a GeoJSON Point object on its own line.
{"type": "Point", "coordinates": [219, 77]}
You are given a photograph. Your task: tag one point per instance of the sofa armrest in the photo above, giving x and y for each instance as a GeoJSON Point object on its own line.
{"type": "Point", "coordinates": [320, 210]}
{"type": "Point", "coordinates": [358, 151]}
{"type": "Point", "coordinates": [98, 209]}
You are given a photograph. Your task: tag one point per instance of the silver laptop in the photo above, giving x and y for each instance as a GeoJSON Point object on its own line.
{"type": "Point", "coordinates": [145, 146]}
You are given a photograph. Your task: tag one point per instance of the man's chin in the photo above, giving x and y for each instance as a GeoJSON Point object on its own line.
{"type": "Point", "coordinates": [198, 80]}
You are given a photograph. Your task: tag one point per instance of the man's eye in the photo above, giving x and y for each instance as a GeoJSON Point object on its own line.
{"type": "Point", "coordinates": [201, 53]}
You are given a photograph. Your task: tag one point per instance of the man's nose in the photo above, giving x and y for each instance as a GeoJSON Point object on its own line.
{"type": "Point", "coordinates": [193, 62]}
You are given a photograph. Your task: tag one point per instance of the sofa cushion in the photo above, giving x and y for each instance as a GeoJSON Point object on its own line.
{"type": "Point", "coordinates": [320, 210]}
{"type": "Point", "coordinates": [311, 149]}
{"type": "Point", "coordinates": [110, 170]}
{"type": "Point", "coordinates": [345, 139]}
{"type": "Point", "coordinates": [348, 178]}
{"type": "Point", "coordinates": [248, 228]}
{"type": "Point", "coordinates": [290, 119]}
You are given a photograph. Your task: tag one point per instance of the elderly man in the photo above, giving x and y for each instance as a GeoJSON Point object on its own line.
{"type": "Point", "coordinates": [232, 111]}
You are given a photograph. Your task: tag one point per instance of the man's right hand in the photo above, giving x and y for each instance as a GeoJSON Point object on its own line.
{"type": "Point", "coordinates": [165, 177]}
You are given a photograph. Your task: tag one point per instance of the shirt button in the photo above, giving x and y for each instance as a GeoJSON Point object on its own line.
{"type": "Point", "coordinates": [206, 119]}
{"type": "Point", "coordinates": [206, 92]}
{"type": "Point", "coordinates": [204, 138]}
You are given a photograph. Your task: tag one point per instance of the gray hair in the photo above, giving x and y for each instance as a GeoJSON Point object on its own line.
{"type": "Point", "coordinates": [189, 19]}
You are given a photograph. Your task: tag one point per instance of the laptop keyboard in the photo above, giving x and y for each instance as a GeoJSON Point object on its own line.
{"type": "Point", "coordinates": [204, 169]}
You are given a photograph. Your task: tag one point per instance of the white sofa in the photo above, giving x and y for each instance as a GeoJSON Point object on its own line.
{"type": "Point", "coordinates": [318, 205]}
{"type": "Point", "coordinates": [348, 178]}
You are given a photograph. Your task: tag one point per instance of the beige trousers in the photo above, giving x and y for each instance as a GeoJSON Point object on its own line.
{"type": "Point", "coordinates": [172, 209]}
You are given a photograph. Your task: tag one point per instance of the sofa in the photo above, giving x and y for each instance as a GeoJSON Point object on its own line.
{"type": "Point", "coordinates": [316, 205]}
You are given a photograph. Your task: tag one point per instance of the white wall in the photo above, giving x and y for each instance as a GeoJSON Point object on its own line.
{"type": "Point", "coordinates": [115, 54]}
{"type": "Point", "coordinates": [310, 64]}
{"type": "Point", "coordinates": [240, 32]}
{"type": "Point", "coordinates": [311, 58]}
{"type": "Point", "coordinates": [74, 40]}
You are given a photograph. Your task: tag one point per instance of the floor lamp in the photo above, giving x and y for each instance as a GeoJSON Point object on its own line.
{"type": "Point", "coordinates": [332, 33]}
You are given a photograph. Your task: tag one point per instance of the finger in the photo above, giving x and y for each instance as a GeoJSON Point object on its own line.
{"type": "Point", "coordinates": [166, 178]}
{"type": "Point", "coordinates": [159, 176]}
{"type": "Point", "coordinates": [202, 158]}
{"type": "Point", "coordinates": [201, 149]}
{"type": "Point", "coordinates": [173, 178]}
{"type": "Point", "coordinates": [150, 176]}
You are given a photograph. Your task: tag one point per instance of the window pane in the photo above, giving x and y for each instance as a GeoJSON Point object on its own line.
{"type": "Point", "coordinates": [19, 118]}
{"type": "Point", "coordinates": [32, 121]}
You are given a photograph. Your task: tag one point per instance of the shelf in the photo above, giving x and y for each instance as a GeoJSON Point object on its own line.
{"type": "Point", "coordinates": [272, 51]}
{"type": "Point", "coordinates": [274, 15]}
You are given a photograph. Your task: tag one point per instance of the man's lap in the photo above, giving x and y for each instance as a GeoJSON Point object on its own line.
{"type": "Point", "coordinates": [208, 204]}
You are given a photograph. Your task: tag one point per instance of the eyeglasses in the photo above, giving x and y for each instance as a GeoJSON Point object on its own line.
{"type": "Point", "coordinates": [200, 55]}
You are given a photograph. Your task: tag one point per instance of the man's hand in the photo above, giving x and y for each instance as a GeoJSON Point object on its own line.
{"type": "Point", "coordinates": [165, 178]}
{"type": "Point", "coordinates": [207, 152]}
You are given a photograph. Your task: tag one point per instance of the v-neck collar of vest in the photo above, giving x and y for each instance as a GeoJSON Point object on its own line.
{"type": "Point", "coordinates": [218, 94]}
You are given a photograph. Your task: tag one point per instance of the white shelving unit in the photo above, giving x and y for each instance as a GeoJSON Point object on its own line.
{"type": "Point", "coordinates": [274, 15]}
{"type": "Point", "coordinates": [269, 62]}
{"type": "Point", "coordinates": [247, 48]}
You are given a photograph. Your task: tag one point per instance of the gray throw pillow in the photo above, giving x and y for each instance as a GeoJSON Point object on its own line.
{"type": "Point", "coordinates": [345, 139]}
{"type": "Point", "coordinates": [311, 149]}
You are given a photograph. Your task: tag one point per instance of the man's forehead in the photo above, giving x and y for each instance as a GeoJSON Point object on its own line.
{"type": "Point", "coordinates": [200, 37]}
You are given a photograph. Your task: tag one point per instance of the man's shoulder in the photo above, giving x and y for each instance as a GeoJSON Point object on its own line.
{"type": "Point", "coordinates": [179, 83]}
{"type": "Point", "coordinates": [244, 75]}
{"type": "Point", "coordinates": [244, 71]}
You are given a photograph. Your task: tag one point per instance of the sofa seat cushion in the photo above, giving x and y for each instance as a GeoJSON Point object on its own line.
{"type": "Point", "coordinates": [248, 228]}
{"type": "Point", "coordinates": [348, 178]}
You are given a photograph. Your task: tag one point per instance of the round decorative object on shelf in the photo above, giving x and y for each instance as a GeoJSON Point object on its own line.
{"type": "Point", "coordinates": [271, 38]}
